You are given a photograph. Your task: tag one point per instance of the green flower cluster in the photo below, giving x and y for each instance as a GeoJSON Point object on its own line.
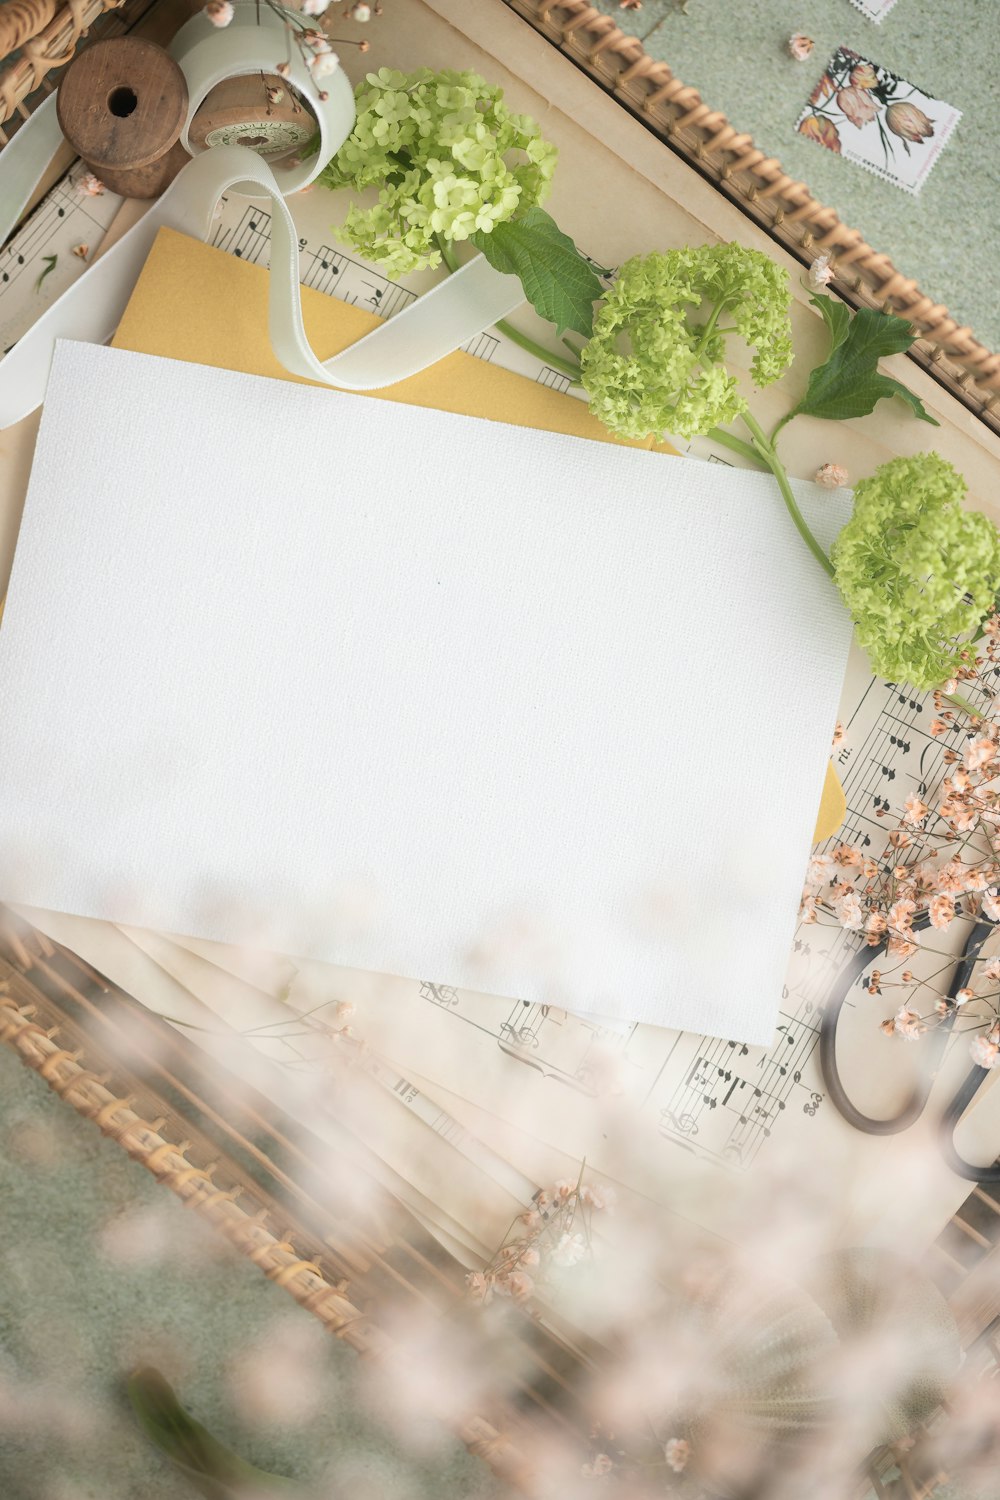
{"type": "Point", "coordinates": [917, 572]}
{"type": "Point", "coordinates": [651, 368]}
{"type": "Point", "coordinates": [448, 158]}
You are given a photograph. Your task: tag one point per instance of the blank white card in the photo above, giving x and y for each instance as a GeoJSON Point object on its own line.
{"type": "Point", "coordinates": [415, 692]}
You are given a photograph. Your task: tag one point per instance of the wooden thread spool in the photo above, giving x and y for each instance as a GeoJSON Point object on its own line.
{"type": "Point", "coordinates": [259, 110]}
{"type": "Point", "coordinates": [122, 105]}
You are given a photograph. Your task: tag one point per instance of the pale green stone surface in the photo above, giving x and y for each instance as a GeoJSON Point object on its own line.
{"type": "Point", "coordinates": [734, 53]}
{"type": "Point", "coordinates": [76, 1314]}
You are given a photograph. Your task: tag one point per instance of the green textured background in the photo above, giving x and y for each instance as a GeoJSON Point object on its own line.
{"type": "Point", "coordinates": [734, 53]}
{"type": "Point", "coordinates": [101, 1270]}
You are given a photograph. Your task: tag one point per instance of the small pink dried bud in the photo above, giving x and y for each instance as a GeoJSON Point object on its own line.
{"type": "Point", "coordinates": [91, 186]}
{"type": "Point", "coordinates": [219, 12]}
{"type": "Point", "coordinates": [963, 996]}
{"type": "Point", "coordinates": [831, 476]}
{"type": "Point", "coordinates": [275, 95]}
{"type": "Point", "coordinates": [800, 46]}
{"type": "Point", "coordinates": [282, 69]}
{"type": "Point", "coordinates": [81, 251]}
{"type": "Point", "coordinates": [821, 272]}
{"type": "Point", "coordinates": [630, 4]}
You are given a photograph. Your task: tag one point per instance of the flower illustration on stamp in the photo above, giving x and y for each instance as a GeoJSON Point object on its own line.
{"type": "Point", "coordinates": [857, 105]}
{"type": "Point", "coordinates": [819, 129]}
{"type": "Point", "coordinates": [909, 123]}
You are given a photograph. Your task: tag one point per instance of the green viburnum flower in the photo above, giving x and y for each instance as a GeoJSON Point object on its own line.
{"type": "Point", "coordinates": [652, 368]}
{"type": "Point", "coordinates": [917, 572]}
{"type": "Point", "coordinates": [448, 157]}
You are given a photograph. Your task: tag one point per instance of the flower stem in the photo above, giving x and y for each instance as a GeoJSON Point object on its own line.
{"type": "Point", "coordinates": [963, 704]}
{"type": "Point", "coordinates": [737, 445]}
{"type": "Point", "coordinates": [769, 458]}
{"type": "Point", "coordinates": [570, 368]}
{"type": "Point", "coordinates": [554, 361]}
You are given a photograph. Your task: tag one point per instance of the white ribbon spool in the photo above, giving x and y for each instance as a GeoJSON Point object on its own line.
{"type": "Point", "coordinates": [472, 300]}
{"type": "Point", "coordinates": [209, 56]}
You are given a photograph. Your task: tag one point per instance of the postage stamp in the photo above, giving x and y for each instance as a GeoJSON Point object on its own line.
{"type": "Point", "coordinates": [874, 9]}
{"type": "Point", "coordinates": [869, 115]}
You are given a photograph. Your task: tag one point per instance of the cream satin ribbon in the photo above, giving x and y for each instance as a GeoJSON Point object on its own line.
{"type": "Point", "coordinates": [472, 300]}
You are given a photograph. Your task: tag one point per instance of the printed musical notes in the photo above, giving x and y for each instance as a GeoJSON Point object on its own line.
{"type": "Point", "coordinates": [246, 233]}
{"type": "Point", "coordinates": [38, 264]}
{"type": "Point", "coordinates": [733, 1098]}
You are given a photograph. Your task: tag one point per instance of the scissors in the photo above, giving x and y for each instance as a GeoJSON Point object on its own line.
{"type": "Point", "coordinates": [960, 1102]}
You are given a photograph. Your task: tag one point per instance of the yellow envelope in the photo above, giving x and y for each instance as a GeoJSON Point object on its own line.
{"type": "Point", "coordinates": [195, 303]}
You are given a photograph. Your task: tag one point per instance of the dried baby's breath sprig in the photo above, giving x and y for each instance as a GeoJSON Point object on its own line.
{"type": "Point", "coordinates": [312, 44]}
{"type": "Point", "coordinates": [937, 873]}
{"type": "Point", "coordinates": [552, 1235]}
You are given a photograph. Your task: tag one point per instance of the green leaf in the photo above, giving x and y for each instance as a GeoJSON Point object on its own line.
{"type": "Point", "coordinates": [836, 317]}
{"type": "Point", "coordinates": [215, 1471]}
{"type": "Point", "coordinates": [849, 383]}
{"type": "Point", "coordinates": [50, 265]}
{"type": "Point", "coordinates": [560, 283]}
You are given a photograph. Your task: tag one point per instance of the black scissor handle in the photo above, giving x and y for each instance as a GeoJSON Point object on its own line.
{"type": "Point", "coordinates": [915, 1105]}
{"type": "Point", "coordinates": [834, 1004]}
{"type": "Point", "coordinates": [950, 1121]}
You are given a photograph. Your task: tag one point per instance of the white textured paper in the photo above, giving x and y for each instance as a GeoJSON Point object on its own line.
{"type": "Point", "coordinates": [414, 692]}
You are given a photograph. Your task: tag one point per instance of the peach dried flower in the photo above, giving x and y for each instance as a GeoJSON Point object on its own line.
{"type": "Point", "coordinates": [677, 1452]}
{"type": "Point", "coordinates": [219, 12]}
{"type": "Point", "coordinates": [941, 911]}
{"type": "Point", "coordinates": [915, 810]}
{"type": "Point", "coordinates": [908, 1024]}
{"type": "Point", "coordinates": [979, 752]}
{"type": "Point", "coordinates": [984, 1052]}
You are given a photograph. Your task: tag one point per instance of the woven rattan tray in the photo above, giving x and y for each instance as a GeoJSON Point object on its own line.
{"type": "Point", "coordinates": [229, 1156]}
